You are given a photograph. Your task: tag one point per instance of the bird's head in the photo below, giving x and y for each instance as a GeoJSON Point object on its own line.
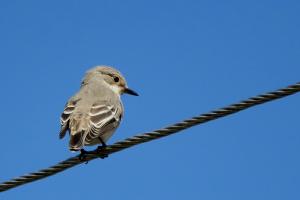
{"type": "Point", "coordinates": [113, 78]}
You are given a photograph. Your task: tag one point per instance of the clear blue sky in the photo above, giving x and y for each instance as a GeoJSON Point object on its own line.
{"type": "Point", "coordinates": [184, 58]}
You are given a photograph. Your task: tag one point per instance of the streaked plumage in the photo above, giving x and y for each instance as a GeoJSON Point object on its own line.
{"type": "Point", "coordinates": [96, 110]}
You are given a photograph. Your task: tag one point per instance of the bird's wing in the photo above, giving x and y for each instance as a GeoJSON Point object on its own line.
{"type": "Point", "coordinates": [102, 115]}
{"type": "Point", "coordinates": [65, 117]}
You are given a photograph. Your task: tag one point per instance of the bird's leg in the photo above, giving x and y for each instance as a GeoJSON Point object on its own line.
{"type": "Point", "coordinates": [82, 155]}
{"type": "Point", "coordinates": [100, 148]}
{"type": "Point", "coordinates": [102, 142]}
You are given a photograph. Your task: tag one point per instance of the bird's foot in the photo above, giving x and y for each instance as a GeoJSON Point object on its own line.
{"type": "Point", "coordinates": [100, 150]}
{"type": "Point", "coordinates": [82, 156]}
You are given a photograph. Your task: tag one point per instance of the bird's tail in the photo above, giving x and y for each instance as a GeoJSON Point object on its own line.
{"type": "Point", "coordinates": [76, 141]}
{"type": "Point", "coordinates": [78, 127]}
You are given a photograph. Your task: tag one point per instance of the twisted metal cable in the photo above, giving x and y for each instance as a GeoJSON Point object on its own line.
{"type": "Point", "coordinates": [146, 137]}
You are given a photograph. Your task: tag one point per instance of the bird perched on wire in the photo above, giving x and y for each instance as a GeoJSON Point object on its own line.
{"type": "Point", "coordinates": [93, 114]}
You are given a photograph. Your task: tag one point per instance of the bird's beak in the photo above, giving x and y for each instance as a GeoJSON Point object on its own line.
{"type": "Point", "coordinates": [130, 91]}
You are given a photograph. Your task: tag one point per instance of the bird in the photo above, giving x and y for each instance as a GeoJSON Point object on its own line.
{"type": "Point", "coordinates": [94, 113]}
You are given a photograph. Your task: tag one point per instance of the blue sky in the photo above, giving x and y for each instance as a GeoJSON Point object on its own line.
{"type": "Point", "coordinates": [184, 58]}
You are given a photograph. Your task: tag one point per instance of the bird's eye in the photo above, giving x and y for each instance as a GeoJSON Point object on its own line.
{"type": "Point", "coordinates": [116, 79]}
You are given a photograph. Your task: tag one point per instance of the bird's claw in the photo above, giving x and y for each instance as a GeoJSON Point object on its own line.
{"type": "Point", "coordinates": [99, 150]}
{"type": "Point", "coordinates": [82, 156]}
